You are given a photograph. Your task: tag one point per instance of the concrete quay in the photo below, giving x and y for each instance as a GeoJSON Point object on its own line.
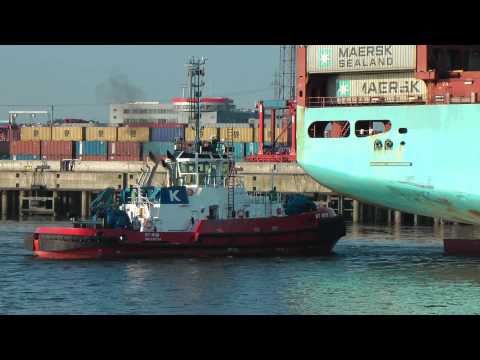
{"type": "Point", "coordinates": [44, 188]}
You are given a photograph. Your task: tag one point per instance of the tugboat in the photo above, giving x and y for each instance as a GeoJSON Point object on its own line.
{"type": "Point", "coordinates": [205, 211]}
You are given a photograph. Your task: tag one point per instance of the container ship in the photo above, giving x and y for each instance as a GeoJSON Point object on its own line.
{"type": "Point", "coordinates": [394, 126]}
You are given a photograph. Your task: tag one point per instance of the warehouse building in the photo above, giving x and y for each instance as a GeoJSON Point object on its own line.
{"type": "Point", "coordinates": [214, 110]}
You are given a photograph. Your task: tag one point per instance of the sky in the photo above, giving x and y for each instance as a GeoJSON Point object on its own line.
{"type": "Point", "coordinates": [70, 76]}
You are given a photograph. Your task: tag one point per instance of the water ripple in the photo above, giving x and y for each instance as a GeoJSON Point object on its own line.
{"type": "Point", "coordinates": [374, 270]}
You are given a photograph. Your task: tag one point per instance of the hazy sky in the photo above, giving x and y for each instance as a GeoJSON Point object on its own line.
{"type": "Point", "coordinates": [41, 74]}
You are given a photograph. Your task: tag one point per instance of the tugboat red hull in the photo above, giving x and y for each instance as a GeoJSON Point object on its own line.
{"type": "Point", "coordinates": [467, 247]}
{"type": "Point", "coordinates": [304, 234]}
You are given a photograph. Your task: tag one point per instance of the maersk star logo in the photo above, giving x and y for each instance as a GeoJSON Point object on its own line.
{"type": "Point", "coordinates": [343, 88]}
{"type": "Point", "coordinates": [325, 58]}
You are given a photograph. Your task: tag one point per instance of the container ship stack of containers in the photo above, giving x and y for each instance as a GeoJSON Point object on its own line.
{"type": "Point", "coordinates": [245, 137]}
{"type": "Point", "coordinates": [364, 74]}
{"type": "Point", "coordinates": [124, 143]}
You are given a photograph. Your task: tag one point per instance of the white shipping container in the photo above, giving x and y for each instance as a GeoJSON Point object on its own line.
{"type": "Point", "coordinates": [354, 58]}
{"type": "Point", "coordinates": [208, 118]}
{"type": "Point", "coordinates": [376, 84]}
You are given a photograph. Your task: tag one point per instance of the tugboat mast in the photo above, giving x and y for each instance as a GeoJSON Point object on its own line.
{"type": "Point", "coordinates": [195, 73]}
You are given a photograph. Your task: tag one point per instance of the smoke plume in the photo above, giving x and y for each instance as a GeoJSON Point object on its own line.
{"type": "Point", "coordinates": [118, 89]}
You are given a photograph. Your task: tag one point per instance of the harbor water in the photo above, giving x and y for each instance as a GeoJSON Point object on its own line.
{"type": "Point", "coordinates": [374, 270]}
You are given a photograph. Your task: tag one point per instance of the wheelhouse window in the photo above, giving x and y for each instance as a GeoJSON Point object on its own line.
{"type": "Point", "coordinates": [329, 129]}
{"type": "Point", "coordinates": [372, 127]}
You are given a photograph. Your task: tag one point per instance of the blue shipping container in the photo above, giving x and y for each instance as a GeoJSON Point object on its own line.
{"type": "Point", "coordinates": [252, 148]}
{"type": "Point", "coordinates": [25, 157]}
{"type": "Point", "coordinates": [157, 147]}
{"type": "Point", "coordinates": [91, 148]}
{"type": "Point", "coordinates": [167, 134]}
{"type": "Point", "coordinates": [239, 150]}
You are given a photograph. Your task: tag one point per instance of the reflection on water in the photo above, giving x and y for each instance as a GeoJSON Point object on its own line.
{"type": "Point", "coordinates": [375, 270]}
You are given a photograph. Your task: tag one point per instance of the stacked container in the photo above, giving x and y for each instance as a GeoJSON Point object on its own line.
{"type": "Point", "coordinates": [206, 134]}
{"type": "Point", "coordinates": [101, 134]}
{"type": "Point", "coordinates": [35, 133]}
{"type": "Point", "coordinates": [251, 148]}
{"type": "Point", "coordinates": [4, 150]}
{"type": "Point", "coordinates": [167, 132]}
{"type": "Point", "coordinates": [239, 151]}
{"type": "Point", "coordinates": [69, 133]}
{"type": "Point", "coordinates": [331, 59]}
{"type": "Point", "coordinates": [124, 151]}
{"type": "Point", "coordinates": [281, 138]}
{"type": "Point", "coordinates": [25, 150]}
{"type": "Point", "coordinates": [139, 134]}
{"type": "Point", "coordinates": [56, 150]}
{"type": "Point", "coordinates": [358, 73]}
{"type": "Point", "coordinates": [240, 134]}
{"type": "Point", "coordinates": [9, 133]}
{"type": "Point", "coordinates": [91, 150]}
{"type": "Point", "coordinates": [158, 148]}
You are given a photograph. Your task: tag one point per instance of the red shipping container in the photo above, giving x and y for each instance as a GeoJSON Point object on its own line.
{"type": "Point", "coordinates": [129, 148]}
{"type": "Point", "coordinates": [15, 134]}
{"type": "Point", "coordinates": [123, 158]}
{"type": "Point", "coordinates": [9, 133]}
{"type": "Point", "coordinates": [56, 148]}
{"type": "Point", "coordinates": [93, 157]}
{"type": "Point", "coordinates": [25, 148]}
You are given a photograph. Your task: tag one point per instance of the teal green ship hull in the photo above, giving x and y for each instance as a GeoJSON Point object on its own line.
{"type": "Point", "coordinates": [434, 173]}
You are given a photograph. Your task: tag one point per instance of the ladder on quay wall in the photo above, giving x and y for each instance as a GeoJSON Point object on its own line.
{"type": "Point", "coordinates": [231, 174]}
{"type": "Point", "coordinates": [39, 176]}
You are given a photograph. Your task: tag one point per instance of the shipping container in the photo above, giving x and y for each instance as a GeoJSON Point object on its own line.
{"type": "Point", "coordinates": [101, 134]}
{"type": "Point", "coordinates": [91, 148]}
{"type": "Point", "coordinates": [25, 157]}
{"type": "Point", "coordinates": [56, 148]}
{"type": "Point", "coordinates": [251, 148]}
{"type": "Point", "coordinates": [167, 133]}
{"type": "Point", "coordinates": [157, 148]}
{"type": "Point", "coordinates": [15, 134]}
{"type": "Point", "coordinates": [281, 137]}
{"type": "Point", "coordinates": [243, 134]}
{"type": "Point", "coordinates": [354, 58]}
{"type": "Point", "coordinates": [68, 133]}
{"type": "Point", "coordinates": [239, 151]}
{"type": "Point", "coordinates": [35, 133]}
{"type": "Point", "coordinates": [140, 134]}
{"type": "Point", "coordinates": [25, 148]}
{"type": "Point", "coordinates": [127, 148]}
{"type": "Point", "coordinates": [401, 84]}
{"type": "Point", "coordinates": [206, 134]}
{"type": "Point", "coordinates": [8, 133]}
{"type": "Point", "coordinates": [92, 157]}
{"type": "Point", "coordinates": [4, 150]}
